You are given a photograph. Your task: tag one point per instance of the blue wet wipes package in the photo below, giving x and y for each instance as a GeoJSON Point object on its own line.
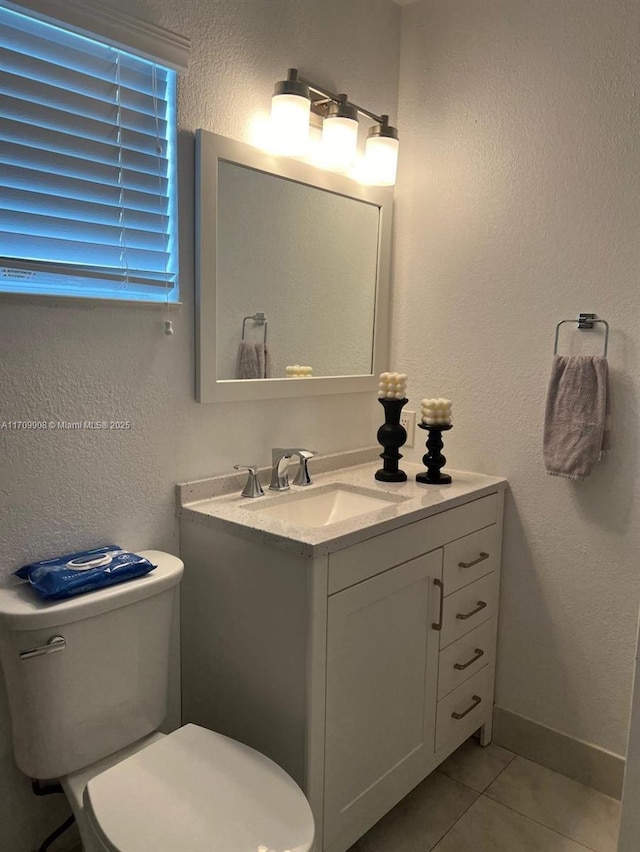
{"type": "Point", "coordinates": [77, 573]}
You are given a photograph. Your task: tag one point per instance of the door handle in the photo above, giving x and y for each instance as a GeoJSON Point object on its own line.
{"type": "Point", "coordinates": [437, 625]}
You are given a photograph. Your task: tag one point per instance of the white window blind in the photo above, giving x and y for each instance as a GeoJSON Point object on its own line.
{"type": "Point", "coordinates": [87, 167]}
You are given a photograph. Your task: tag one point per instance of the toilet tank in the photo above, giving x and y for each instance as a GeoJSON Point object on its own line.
{"type": "Point", "coordinates": [106, 688]}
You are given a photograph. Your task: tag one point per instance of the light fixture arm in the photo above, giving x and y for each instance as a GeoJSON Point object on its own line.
{"type": "Point", "coordinates": [332, 97]}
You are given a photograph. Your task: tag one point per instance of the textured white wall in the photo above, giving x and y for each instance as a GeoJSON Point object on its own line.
{"type": "Point", "coordinates": [518, 206]}
{"type": "Point", "coordinates": [69, 490]}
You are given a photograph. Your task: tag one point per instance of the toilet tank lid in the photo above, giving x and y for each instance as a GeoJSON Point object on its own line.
{"type": "Point", "coordinates": [22, 609]}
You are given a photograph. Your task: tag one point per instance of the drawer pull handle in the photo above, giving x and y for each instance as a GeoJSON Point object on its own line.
{"type": "Point", "coordinates": [480, 558]}
{"type": "Point", "coordinates": [476, 701]}
{"type": "Point", "coordinates": [478, 652]}
{"type": "Point", "coordinates": [464, 615]}
{"type": "Point", "coordinates": [437, 625]}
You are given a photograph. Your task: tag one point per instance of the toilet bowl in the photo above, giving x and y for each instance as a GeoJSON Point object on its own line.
{"type": "Point", "coordinates": [87, 712]}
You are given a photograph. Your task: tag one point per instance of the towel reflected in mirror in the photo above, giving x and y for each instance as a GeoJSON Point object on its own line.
{"type": "Point", "coordinates": [253, 361]}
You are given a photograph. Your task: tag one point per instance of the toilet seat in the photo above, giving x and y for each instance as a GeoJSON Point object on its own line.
{"type": "Point", "coordinates": [198, 791]}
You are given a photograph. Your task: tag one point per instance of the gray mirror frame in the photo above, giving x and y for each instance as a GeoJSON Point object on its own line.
{"type": "Point", "coordinates": [210, 148]}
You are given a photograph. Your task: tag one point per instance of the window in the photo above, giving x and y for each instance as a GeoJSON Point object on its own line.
{"type": "Point", "coordinates": [87, 166]}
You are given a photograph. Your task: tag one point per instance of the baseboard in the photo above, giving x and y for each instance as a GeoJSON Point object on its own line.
{"type": "Point", "coordinates": [602, 770]}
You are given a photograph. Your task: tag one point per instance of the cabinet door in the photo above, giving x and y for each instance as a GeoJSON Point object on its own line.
{"type": "Point", "coordinates": [382, 661]}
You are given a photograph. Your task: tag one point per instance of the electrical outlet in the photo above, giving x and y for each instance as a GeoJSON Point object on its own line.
{"type": "Point", "coordinates": [408, 420]}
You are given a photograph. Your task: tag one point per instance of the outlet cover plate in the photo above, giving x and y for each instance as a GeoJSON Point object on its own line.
{"type": "Point", "coordinates": [408, 420]}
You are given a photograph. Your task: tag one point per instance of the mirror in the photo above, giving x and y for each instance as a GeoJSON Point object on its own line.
{"type": "Point", "coordinates": [292, 272]}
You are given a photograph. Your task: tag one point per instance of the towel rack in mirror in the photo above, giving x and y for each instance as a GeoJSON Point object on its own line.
{"type": "Point", "coordinates": [258, 318]}
{"type": "Point", "coordinates": [585, 321]}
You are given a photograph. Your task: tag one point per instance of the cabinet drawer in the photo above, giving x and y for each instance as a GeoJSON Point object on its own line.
{"type": "Point", "coordinates": [470, 558]}
{"type": "Point", "coordinates": [467, 608]}
{"type": "Point", "coordinates": [464, 710]}
{"type": "Point", "coordinates": [469, 654]}
{"type": "Point", "coordinates": [360, 561]}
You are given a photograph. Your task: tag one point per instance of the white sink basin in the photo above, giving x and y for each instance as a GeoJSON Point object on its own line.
{"type": "Point", "coordinates": [328, 504]}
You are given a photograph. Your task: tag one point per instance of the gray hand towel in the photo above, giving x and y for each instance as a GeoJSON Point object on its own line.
{"type": "Point", "coordinates": [264, 360]}
{"type": "Point", "coordinates": [576, 425]}
{"type": "Point", "coordinates": [253, 361]}
{"type": "Point", "coordinates": [247, 362]}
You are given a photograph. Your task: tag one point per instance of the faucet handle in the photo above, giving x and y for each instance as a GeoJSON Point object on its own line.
{"type": "Point", "coordinates": [252, 488]}
{"type": "Point", "coordinates": [302, 476]}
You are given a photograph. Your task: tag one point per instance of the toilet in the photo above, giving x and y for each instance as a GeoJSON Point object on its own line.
{"type": "Point", "coordinates": [87, 685]}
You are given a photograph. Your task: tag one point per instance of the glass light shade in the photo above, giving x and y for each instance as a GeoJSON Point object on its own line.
{"type": "Point", "coordinates": [381, 160]}
{"type": "Point", "coordinates": [339, 141]}
{"type": "Point", "coordinates": [290, 124]}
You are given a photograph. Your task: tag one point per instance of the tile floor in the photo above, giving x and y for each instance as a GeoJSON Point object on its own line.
{"type": "Point", "coordinates": [490, 800]}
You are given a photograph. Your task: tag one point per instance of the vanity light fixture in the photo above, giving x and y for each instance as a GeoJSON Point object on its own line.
{"type": "Point", "coordinates": [381, 153]}
{"type": "Point", "coordinates": [290, 107]}
{"type": "Point", "coordinates": [295, 99]}
{"type": "Point", "coordinates": [340, 134]}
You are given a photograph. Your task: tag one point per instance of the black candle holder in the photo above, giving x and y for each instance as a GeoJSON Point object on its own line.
{"type": "Point", "coordinates": [434, 460]}
{"type": "Point", "coordinates": [392, 435]}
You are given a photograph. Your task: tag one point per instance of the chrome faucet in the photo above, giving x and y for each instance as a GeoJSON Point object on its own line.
{"type": "Point", "coordinates": [252, 487]}
{"type": "Point", "coordinates": [281, 457]}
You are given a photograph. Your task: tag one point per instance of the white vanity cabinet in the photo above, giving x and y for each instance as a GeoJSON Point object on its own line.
{"type": "Point", "coordinates": [359, 669]}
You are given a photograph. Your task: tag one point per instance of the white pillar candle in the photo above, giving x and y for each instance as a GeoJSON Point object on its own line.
{"type": "Point", "coordinates": [392, 386]}
{"type": "Point", "coordinates": [298, 371]}
{"type": "Point", "coordinates": [436, 412]}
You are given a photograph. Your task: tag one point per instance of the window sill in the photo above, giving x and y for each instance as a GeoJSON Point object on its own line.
{"type": "Point", "coordinates": [85, 301]}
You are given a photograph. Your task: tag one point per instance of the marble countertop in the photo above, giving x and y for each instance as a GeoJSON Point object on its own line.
{"type": "Point", "coordinates": [211, 502]}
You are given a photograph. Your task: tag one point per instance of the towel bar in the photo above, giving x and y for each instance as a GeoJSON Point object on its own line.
{"type": "Point", "coordinates": [258, 318]}
{"type": "Point", "coordinates": [585, 321]}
